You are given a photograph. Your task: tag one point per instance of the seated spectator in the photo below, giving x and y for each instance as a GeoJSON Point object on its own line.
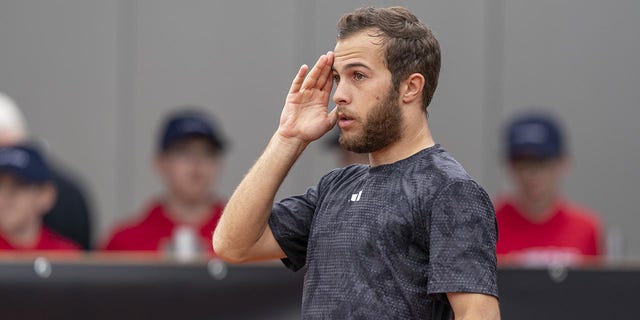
{"type": "Point", "coordinates": [70, 214]}
{"type": "Point", "coordinates": [27, 192]}
{"type": "Point", "coordinates": [188, 160]}
{"type": "Point", "coordinates": [536, 225]}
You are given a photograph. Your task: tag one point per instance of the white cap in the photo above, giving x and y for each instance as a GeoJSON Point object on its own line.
{"type": "Point", "coordinates": [13, 127]}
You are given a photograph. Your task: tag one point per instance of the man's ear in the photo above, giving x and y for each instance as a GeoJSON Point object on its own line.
{"type": "Point", "coordinates": [47, 197]}
{"type": "Point", "coordinates": [411, 88]}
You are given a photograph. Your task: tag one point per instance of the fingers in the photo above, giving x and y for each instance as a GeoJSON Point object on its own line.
{"type": "Point", "coordinates": [320, 73]}
{"type": "Point", "coordinates": [333, 116]}
{"type": "Point", "coordinates": [328, 79]}
{"type": "Point", "coordinates": [327, 76]}
{"type": "Point", "coordinates": [314, 74]}
{"type": "Point", "coordinates": [298, 79]}
{"type": "Point", "coordinates": [320, 77]}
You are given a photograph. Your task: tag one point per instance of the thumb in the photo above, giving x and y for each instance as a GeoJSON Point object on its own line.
{"type": "Point", "coordinates": [333, 116]}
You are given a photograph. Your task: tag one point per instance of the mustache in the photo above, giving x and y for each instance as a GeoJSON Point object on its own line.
{"type": "Point", "coordinates": [343, 112]}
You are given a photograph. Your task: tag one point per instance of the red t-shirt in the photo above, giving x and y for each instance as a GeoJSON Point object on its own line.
{"type": "Point", "coordinates": [49, 240]}
{"type": "Point", "coordinates": [155, 230]}
{"type": "Point", "coordinates": [567, 237]}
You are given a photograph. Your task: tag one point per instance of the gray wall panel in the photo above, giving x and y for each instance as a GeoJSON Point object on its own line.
{"type": "Point", "coordinates": [579, 59]}
{"type": "Point", "coordinates": [233, 58]}
{"type": "Point", "coordinates": [58, 60]}
{"type": "Point", "coordinates": [95, 78]}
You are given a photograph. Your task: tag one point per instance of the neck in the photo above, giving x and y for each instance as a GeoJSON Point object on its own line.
{"type": "Point", "coordinates": [536, 210]}
{"type": "Point", "coordinates": [415, 137]}
{"type": "Point", "coordinates": [26, 236]}
{"type": "Point", "coordinates": [191, 212]}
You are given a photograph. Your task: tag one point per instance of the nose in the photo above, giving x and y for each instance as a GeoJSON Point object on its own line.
{"type": "Point", "coordinates": [341, 96]}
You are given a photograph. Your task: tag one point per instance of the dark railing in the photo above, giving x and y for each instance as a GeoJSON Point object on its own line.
{"type": "Point", "coordinates": [139, 287]}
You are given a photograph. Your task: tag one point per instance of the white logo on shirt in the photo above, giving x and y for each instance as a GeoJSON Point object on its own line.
{"type": "Point", "coordinates": [356, 196]}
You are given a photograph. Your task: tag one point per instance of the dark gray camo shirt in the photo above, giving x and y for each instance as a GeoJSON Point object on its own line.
{"type": "Point", "coordinates": [389, 242]}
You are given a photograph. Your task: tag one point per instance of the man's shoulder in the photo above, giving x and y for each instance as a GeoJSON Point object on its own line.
{"type": "Point", "coordinates": [435, 170]}
{"type": "Point", "coordinates": [344, 175]}
{"type": "Point", "coordinates": [441, 161]}
{"type": "Point", "coordinates": [433, 165]}
{"type": "Point", "coordinates": [350, 170]}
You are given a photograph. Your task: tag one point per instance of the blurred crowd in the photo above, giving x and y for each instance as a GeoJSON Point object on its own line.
{"type": "Point", "coordinates": [44, 207]}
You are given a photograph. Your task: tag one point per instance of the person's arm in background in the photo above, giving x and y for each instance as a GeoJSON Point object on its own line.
{"type": "Point", "coordinates": [243, 233]}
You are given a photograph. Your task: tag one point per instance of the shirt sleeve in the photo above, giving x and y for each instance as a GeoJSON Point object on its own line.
{"type": "Point", "coordinates": [462, 241]}
{"type": "Point", "coordinates": [290, 222]}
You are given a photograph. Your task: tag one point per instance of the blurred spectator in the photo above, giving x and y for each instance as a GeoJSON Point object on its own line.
{"type": "Point", "coordinates": [189, 160]}
{"type": "Point", "coordinates": [536, 225]}
{"type": "Point", "coordinates": [345, 157]}
{"type": "Point", "coordinates": [26, 193]}
{"type": "Point", "coordinates": [70, 214]}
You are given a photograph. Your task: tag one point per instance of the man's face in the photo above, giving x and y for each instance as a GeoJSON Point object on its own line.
{"type": "Point", "coordinates": [369, 115]}
{"type": "Point", "coordinates": [189, 169]}
{"type": "Point", "coordinates": [538, 180]}
{"type": "Point", "coordinates": [21, 204]}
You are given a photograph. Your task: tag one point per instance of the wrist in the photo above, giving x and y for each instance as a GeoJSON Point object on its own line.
{"type": "Point", "coordinates": [288, 145]}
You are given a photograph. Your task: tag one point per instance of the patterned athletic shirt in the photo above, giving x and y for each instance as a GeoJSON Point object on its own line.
{"type": "Point", "coordinates": [388, 242]}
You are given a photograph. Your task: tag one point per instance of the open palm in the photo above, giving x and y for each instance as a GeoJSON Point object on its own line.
{"type": "Point", "coordinates": [305, 116]}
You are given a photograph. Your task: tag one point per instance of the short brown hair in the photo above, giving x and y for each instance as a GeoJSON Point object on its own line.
{"type": "Point", "coordinates": [410, 46]}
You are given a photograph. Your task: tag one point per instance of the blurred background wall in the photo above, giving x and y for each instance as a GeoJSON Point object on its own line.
{"type": "Point", "coordinates": [95, 77]}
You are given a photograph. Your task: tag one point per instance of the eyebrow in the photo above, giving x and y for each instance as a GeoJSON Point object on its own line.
{"type": "Point", "coordinates": [352, 65]}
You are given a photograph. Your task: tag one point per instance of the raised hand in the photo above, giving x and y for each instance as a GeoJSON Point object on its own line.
{"type": "Point", "coordinates": [305, 116]}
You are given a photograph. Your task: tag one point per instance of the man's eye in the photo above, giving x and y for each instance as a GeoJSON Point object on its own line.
{"type": "Point", "coordinates": [336, 78]}
{"type": "Point", "coordinates": [358, 76]}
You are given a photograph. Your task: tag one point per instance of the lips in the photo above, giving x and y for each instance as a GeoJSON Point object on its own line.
{"type": "Point", "coordinates": [345, 120]}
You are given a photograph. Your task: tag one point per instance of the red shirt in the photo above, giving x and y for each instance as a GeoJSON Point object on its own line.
{"type": "Point", "coordinates": [155, 230]}
{"type": "Point", "coordinates": [568, 236]}
{"type": "Point", "coordinates": [49, 240]}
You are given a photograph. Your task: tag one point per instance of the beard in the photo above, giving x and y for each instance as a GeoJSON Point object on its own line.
{"type": "Point", "coordinates": [382, 126]}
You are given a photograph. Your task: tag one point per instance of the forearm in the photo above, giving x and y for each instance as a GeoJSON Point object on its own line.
{"type": "Point", "coordinates": [492, 316]}
{"type": "Point", "coordinates": [243, 233]}
{"type": "Point", "coordinates": [471, 306]}
{"type": "Point", "coordinates": [247, 213]}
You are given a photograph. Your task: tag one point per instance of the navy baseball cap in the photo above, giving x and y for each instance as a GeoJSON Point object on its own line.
{"type": "Point", "coordinates": [26, 163]}
{"type": "Point", "coordinates": [189, 124]}
{"type": "Point", "coordinates": [536, 136]}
